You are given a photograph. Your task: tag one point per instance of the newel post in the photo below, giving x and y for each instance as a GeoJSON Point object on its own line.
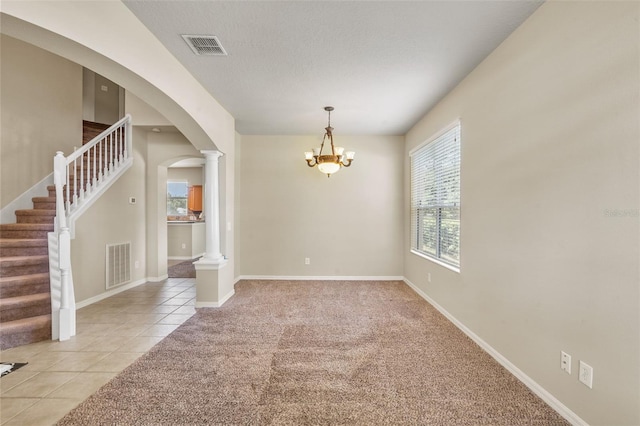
{"type": "Point", "coordinates": [64, 248]}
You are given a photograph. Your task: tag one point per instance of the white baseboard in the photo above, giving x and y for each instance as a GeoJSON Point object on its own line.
{"type": "Point", "coordinates": [109, 293]}
{"type": "Point", "coordinates": [553, 402]}
{"type": "Point", "coordinates": [195, 256]}
{"type": "Point", "coordinates": [319, 278]}
{"type": "Point", "coordinates": [215, 304]}
{"type": "Point", "coordinates": [156, 279]}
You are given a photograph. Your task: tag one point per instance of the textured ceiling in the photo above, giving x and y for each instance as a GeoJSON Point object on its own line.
{"type": "Point", "coordinates": [381, 64]}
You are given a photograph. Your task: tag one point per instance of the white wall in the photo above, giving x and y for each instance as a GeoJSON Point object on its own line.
{"type": "Point", "coordinates": [549, 153]}
{"type": "Point", "coordinates": [348, 225]}
{"type": "Point", "coordinates": [41, 113]}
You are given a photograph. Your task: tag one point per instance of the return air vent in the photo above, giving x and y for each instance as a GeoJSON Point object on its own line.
{"type": "Point", "coordinates": [118, 264]}
{"type": "Point", "coordinates": [205, 45]}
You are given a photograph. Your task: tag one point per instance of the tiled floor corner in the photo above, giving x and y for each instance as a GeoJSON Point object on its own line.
{"type": "Point", "coordinates": [111, 334]}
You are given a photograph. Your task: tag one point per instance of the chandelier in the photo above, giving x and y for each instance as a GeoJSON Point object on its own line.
{"type": "Point", "coordinates": [329, 163]}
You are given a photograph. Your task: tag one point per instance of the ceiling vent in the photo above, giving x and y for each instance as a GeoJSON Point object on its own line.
{"type": "Point", "coordinates": [205, 45]}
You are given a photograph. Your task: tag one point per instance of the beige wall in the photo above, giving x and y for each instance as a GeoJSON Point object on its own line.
{"type": "Point", "coordinates": [41, 107]}
{"type": "Point", "coordinates": [88, 95]}
{"type": "Point", "coordinates": [163, 149]}
{"type": "Point", "coordinates": [348, 225]}
{"type": "Point", "coordinates": [549, 153]}
{"type": "Point", "coordinates": [107, 103]}
{"type": "Point", "coordinates": [192, 235]}
{"type": "Point", "coordinates": [112, 220]}
{"type": "Point", "coordinates": [193, 175]}
{"type": "Point", "coordinates": [234, 253]}
{"type": "Point", "coordinates": [146, 67]}
{"type": "Point", "coordinates": [141, 113]}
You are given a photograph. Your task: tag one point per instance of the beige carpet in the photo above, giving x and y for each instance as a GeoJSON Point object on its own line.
{"type": "Point", "coordinates": [184, 269]}
{"type": "Point", "coordinates": [321, 353]}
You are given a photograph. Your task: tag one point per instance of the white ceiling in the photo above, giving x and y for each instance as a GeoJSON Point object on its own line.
{"type": "Point", "coordinates": [381, 64]}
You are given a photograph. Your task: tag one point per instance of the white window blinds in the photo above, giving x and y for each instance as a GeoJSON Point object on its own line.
{"type": "Point", "coordinates": [435, 198]}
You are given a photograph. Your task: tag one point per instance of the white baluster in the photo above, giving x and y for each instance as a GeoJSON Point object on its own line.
{"type": "Point", "coordinates": [111, 154]}
{"type": "Point", "coordinates": [101, 171]}
{"type": "Point", "coordinates": [95, 169]}
{"type": "Point", "coordinates": [75, 184]}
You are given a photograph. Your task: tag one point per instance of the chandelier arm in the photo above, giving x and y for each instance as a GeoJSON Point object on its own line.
{"type": "Point", "coordinates": [310, 164]}
{"type": "Point", "coordinates": [342, 163]}
{"type": "Point", "coordinates": [322, 144]}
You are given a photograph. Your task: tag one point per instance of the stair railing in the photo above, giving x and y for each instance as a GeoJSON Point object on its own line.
{"type": "Point", "coordinates": [80, 179]}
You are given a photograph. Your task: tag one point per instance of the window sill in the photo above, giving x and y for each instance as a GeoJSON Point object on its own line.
{"type": "Point", "coordinates": [436, 261]}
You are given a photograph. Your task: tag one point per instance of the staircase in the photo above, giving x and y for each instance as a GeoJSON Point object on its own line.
{"type": "Point", "coordinates": [25, 298]}
{"type": "Point", "coordinates": [90, 130]}
{"type": "Point", "coordinates": [25, 280]}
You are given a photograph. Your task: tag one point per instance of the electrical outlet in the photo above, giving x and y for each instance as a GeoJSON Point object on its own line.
{"type": "Point", "coordinates": [565, 362]}
{"type": "Point", "coordinates": [307, 261]}
{"type": "Point", "coordinates": [586, 374]}
{"type": "Point", "coordinates": [184, 246]}
{"type": "Point", "coordinates": [137, 264]}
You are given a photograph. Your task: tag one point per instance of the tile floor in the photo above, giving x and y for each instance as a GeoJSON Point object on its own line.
{"type": "Point", "coordinates": [111, 334]}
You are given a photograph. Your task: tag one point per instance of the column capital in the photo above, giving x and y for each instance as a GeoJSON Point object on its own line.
{"type": "Point", "coordinates": [212, 154]}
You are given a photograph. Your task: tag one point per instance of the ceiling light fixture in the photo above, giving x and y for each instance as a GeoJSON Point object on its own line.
{"type": "Point", "coordinates": [329, 164]}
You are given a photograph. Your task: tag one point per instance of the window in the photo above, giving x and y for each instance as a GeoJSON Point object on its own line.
{"type": "Point", "coordinates": [435, 198]}
{"type": "Point", "coordinates": [177, 198]}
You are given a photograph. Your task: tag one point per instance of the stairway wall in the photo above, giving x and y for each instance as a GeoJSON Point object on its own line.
{"type": "Point", "coordinates": [111, 220]}
{"type": "Point", "coordinates": [41, 102]}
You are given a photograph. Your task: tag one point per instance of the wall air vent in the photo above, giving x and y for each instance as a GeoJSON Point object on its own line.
{"type": "Point", "coordinates": [205, 45]}
{"type": "Point", "coordinates": [118, 265]}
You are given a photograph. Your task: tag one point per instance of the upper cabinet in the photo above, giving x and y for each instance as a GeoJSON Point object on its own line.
{"type": "Point", "coordinates": [195, 198]}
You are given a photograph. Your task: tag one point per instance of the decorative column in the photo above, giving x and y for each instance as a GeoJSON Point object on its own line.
{"type": "Point", "coordinates": [212, 207]}
{"type": "Point", "coordinates": [214, 285]}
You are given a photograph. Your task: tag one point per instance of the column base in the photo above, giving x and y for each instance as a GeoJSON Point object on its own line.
{"type": "Point", "coordinates": [211, 290]}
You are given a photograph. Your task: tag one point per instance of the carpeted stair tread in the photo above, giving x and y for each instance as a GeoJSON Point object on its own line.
{"type": "Point", "coordinates": [23, 265]}
{"type": "Point", "coordinates": [25, 230]}
{"type": "Point", "coordinates": [22, 242]}
{"type": "Point", "coordinates": [12, 302]}
{"type": "Point", "coordinates": [35, 216]}
{"type": "Point", "coordinates": [44, 199]}
{"type": "Point", "coordinates": [24, 284]}
{"type": "Point", "coordinates": [23, 260]}
{"type": "Point", "coordinates": [27, 226]}
{"type": "Point", "coordinates": [44, 203]}
{"type": "Point", "coordinates": [35, 212]}
{"type": "Point", "coordinates": [27, 306]}
{"type": "Point", "coordinates": [23, 246]}
{"type": "Point", "coordinates": [24, 331]}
